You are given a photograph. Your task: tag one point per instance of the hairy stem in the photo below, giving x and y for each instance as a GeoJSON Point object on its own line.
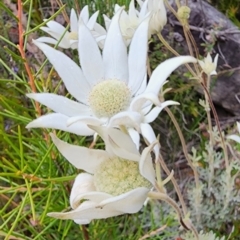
{"type": "Point", "coordinates": [175, 184]}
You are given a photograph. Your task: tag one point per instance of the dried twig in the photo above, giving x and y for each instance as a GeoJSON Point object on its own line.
{"type": "Point", "coordinates": [22, 53]}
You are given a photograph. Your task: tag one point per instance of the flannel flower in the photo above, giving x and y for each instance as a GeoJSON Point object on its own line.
{"type": "Point", "coordinates": [116, 180]}
{"type": "Point", "coordinates": [158, 12]}
{"type": "Point", "coordinates": [111, 88]}
{"type": "Point", "coordinates": [208, 65]}
{"type": "Point", "coordinates": [129, 21]}
{"type": "Point", "coordinates": [69, 39]}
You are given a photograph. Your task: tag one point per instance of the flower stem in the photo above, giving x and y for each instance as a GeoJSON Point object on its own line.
{"type": "Point", "coordinates": [174, 182]}
{"type": "Point", "coordinates": [164, 197]}
{"type": "Point", "coordinates": [166, 44]}
{"type": "Point", "coordinates": [184, 146]}
{"type": "Point", "coordinates": [194, 169]}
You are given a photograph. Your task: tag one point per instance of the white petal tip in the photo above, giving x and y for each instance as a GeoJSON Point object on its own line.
{"type": "Point", "coordinates": [30, 95]}
{"type": "Point", "coordinates": [55, 215]}
{"type": "Point", "coordinates": [29, 125]}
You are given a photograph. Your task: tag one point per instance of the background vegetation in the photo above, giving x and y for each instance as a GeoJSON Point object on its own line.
{"type": "Point", "coordinates": [34, 178]}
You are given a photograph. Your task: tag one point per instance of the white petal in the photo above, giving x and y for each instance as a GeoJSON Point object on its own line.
{"type": "Point", "coordinates": [122, 140]}
{"type": "Point", "coordinates": [117, 143]}
{"type": "Point", "coordinates": [208, 59]}
{"type": "Point", "coordinates": [146, 166]}
{"type": "Point", "coordinates": [142, 100]}
{"type": "Point", "coordinates": [146, 108]}
{"type": "Point", "coordinates": [82, 184]}
{"type": "Point", "coordinates": [68, 70]}
{"type": "Point", "coordinates": [216, 60]}
{"type": "Point", "coordinates": [84, 14]}
{"type": "Point", "coordinates": [149, 135]}
{"type": "Point", "coordinates": [153, 114]}
{"type": "Point", "coordinates": [64, 43]}
{"type": "Point", "coordinates": [61, 104]}
{"type": "Point", "coordinates": [144, 9]}
{"type": "Point", "coordinates": [135, 136]}
{"type": "Point", "coordinates": [238, 126]}
{"type": "Point", "coordinates": [74, 44]}
{"type": "Point", "coordinates": [90, 56]}
{"type": "Point", "coordinates": [140, 2]}
{"type": "Point", "coordinates": [86, 212]}
{"type": "Point", "coordinates": [85, 119]}
{"type": "Point", "coordinates": [132, 11]}
{"type": "Point", "coordinates": [56, 27]}
{"type": "Point", "coordinates": [99, 29]}
{"type": "Point", "coordinates": [161, 73]}
{"type": "Point", "coordinates": [82, 221]}
{"type": "Point", "coordinates": [115, 52]}
{"type": "Point", "coordinates": [107, 21]}
{"type": "Point", "coordinates": [92, 196]}
{"type": "Point", "coordinates": [142, 87]}
{"type": "Point", "coordinates": [137, 60]}
{"type": "Point", "coordinates": [73, 21]}
{"type": "Point", "coordinates": [123, 153]}
{"type": "Point", "coordinates": [116, 7]}
{"type": "Point", "coordinates": [234, 138]}
{"type": "Point", "coordinates": [47, 40]}
{"type": "Point", "coordinates": [129, 119]}
{"type": "Point", "coordinates": [59, 121]}
{"type": "Point", "coordinates": [201, 63]}
{"type": "Point", "coordinates": [129, 202]}
{"type": "Point", "coordinates": [92, 21]}
{"type": "Point", "coordinates": [213, 73]}
{"type": "Point", "coordinates": [102, 131]}
{"type": "Point", "coordinates": [80, 157]}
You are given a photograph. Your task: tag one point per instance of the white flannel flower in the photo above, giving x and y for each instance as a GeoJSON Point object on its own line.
{"type": "Point", "coordinates": [158, 14]}
{"type": "Point", "coordinates": [116, 180]}
{"type": "Point", "coordinates": [129, 21]}
{"type": "Point", "coordinates": [70, 38]}
{"type": "Point", "coordinates": [208, 65]}
{"type": "Point", "coordinates": [235, 137]}
{"type": "Point", "coordinates": [110, 89]}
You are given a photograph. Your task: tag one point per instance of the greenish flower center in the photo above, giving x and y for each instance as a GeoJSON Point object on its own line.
{"type": "Point", "coordinates": [109, 97]}
{"type": "Point", "coordinates": [73, 35]}
{"type": "Point", "coordinates": [117, 176]}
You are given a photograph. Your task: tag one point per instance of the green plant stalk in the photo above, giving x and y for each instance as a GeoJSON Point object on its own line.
{"type": "Point", "coordinates": [45, 62]}
{"type": "Point", "coordinates": [8, 203]}
{"type": "Point", "coordinates": [10, 70]}
{"type": "Point", "coordinates": [164, 197]}
{"type": "Point", "coordinates": [173, 204]}
{"type": "Point", "coordinates": [43, 159]}
{"type": "Point", "coordinates": [166, 44]}
{"type": "Point", "coordinates": [47, 203]}
{"type": "Point", "coordinates": [211, 138]}
{"type": "Point", "coordinates": [29, 187]}
{"type": "Point", "coordinates": [9, 42]}
{"type": "Point", "coordinates": [218, 126]}
{"type": "Point", "coordinates": [17, 217]}
{"type": "Point", "coordinates": [174, 182]}
{"type": "Point", "coordinates": [58, 179]}
{"type": "Point", "coordinates": [45, 229]}
{"type": "Point", "coordinates": [28, 23]}
{"type": "Point", "coordinates": [158, 174]}
{"type": "Point", "coordinates": [20, 147]}
{"type": "Point", "coordinates": [188, 37]}
{"type": "Point", "coordinates": [184, 147]}
{"type": "Point", "coordinates": [44, 23]}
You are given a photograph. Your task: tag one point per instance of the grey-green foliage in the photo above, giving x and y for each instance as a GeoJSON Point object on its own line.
{"type": "Point", "coordinates": [202, 236]}
{"type": "Point", "coordinates": [216, 202]}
